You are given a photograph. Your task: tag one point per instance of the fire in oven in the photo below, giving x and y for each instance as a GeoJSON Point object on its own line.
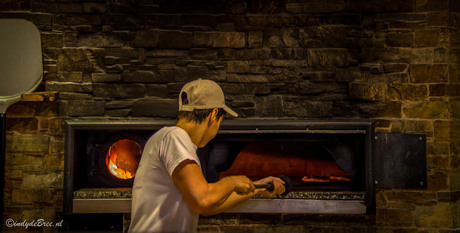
{"type": "Point", "coordinates": [328, 163]}
{"type": "Point", "coordinates": [310, 161]}
{"type": "Point", "coordinates": [122, 158]}
{"type": "Point", "coordinates": [109, 159]}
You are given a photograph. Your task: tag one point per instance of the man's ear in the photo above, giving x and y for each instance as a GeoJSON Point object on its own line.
{"type": "Point", "coordinates": [213, 115]}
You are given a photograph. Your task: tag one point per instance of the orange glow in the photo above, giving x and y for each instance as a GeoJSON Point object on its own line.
{"type": "Point", "coordinates": [258, 160]}
{"type": "Point", "coordinates": [123, 157]}
{"type": "Point", "coordinates": [325, 180]}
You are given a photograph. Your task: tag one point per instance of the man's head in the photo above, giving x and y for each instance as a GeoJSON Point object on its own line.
{"type": "Point", "coordinates": [200, 97]}
{"type": "Point", "coordinates": [203, 102]}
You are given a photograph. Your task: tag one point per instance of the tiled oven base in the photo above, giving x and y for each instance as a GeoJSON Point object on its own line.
{"type": "Point", "coordinates": [118, 200]}
{"type": "Point", "coordinates": [102, 193]}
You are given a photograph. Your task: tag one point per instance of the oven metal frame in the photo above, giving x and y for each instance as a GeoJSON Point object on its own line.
{"type": "Point", "coordinates": [253, 126]}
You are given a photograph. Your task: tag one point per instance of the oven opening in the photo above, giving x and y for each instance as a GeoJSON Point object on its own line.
{"type": "Point", "coordinates": [305, 164]}
{"type": "Point", "coordinates": [122, 158]}
{"type": "Point", "coordinates": [312, 162]}
{"type": "Point", "coordinates": [107, 158]}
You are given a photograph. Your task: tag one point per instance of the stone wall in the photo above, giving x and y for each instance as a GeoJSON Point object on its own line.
{"type": "Point", "coordinates": [394, 61]}
{"type": "Point", "coordinates": [34, 163]}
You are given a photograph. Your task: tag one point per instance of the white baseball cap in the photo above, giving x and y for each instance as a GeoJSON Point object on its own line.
{"type": "Point", "coordinates": [203, 94]}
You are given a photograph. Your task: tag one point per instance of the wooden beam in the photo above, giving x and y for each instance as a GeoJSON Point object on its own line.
{"type": "Point", "coordinates": [40, 96]}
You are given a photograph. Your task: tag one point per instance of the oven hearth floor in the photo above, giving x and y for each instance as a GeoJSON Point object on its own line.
{"type": "Point", "coordinates": [114, 193]}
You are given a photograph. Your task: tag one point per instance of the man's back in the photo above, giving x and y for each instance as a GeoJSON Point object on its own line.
{"type": "Point", "coordinates": [157, 204]}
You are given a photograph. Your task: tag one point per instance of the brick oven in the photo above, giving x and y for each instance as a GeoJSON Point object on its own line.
{"type": "Point", "coordinates": [333, 165]}
{"type": "Point", "coordinates": [330, 163]}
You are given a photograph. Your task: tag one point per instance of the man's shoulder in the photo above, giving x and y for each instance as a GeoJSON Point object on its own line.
{"type": "Point", "coordinates": [170, 132]}
{"type": "Point", "coordinates": [173, 131]}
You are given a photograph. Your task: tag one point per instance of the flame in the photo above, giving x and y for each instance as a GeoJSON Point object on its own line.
{"type": "Point", "coordinates": [120, 173]}
{"type": "Point", "coordinates": [123, 157]}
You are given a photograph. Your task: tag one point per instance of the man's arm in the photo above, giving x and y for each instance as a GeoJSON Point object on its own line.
{"type": "Point", "coordinates": [235, 199]}
{"type": "Point", "coordinates": [202, 196]}
{"type": "Point", "coordinates": [232, 201]}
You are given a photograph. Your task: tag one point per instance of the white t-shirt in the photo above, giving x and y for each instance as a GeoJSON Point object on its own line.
{"type": "Point", "coordinates": [157, 204]}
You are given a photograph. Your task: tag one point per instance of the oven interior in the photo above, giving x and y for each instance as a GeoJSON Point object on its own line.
{"type": "Point", "coordinates": [312, 161]}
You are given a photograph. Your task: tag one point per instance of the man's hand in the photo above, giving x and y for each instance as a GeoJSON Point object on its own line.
{"type": "Point", "coordinates": [243, 185]}
{"type": "Point", "coordinates": [277, 183]}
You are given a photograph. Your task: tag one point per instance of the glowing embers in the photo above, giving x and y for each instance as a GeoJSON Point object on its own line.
{"type": "Point", "coordinates": [123, 157]}
{"type": "Point", "coordinates": [326, 179]}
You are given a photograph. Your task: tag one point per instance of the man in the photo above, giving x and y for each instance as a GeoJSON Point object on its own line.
{"type": "Point", "coordinates": [169, 190]}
